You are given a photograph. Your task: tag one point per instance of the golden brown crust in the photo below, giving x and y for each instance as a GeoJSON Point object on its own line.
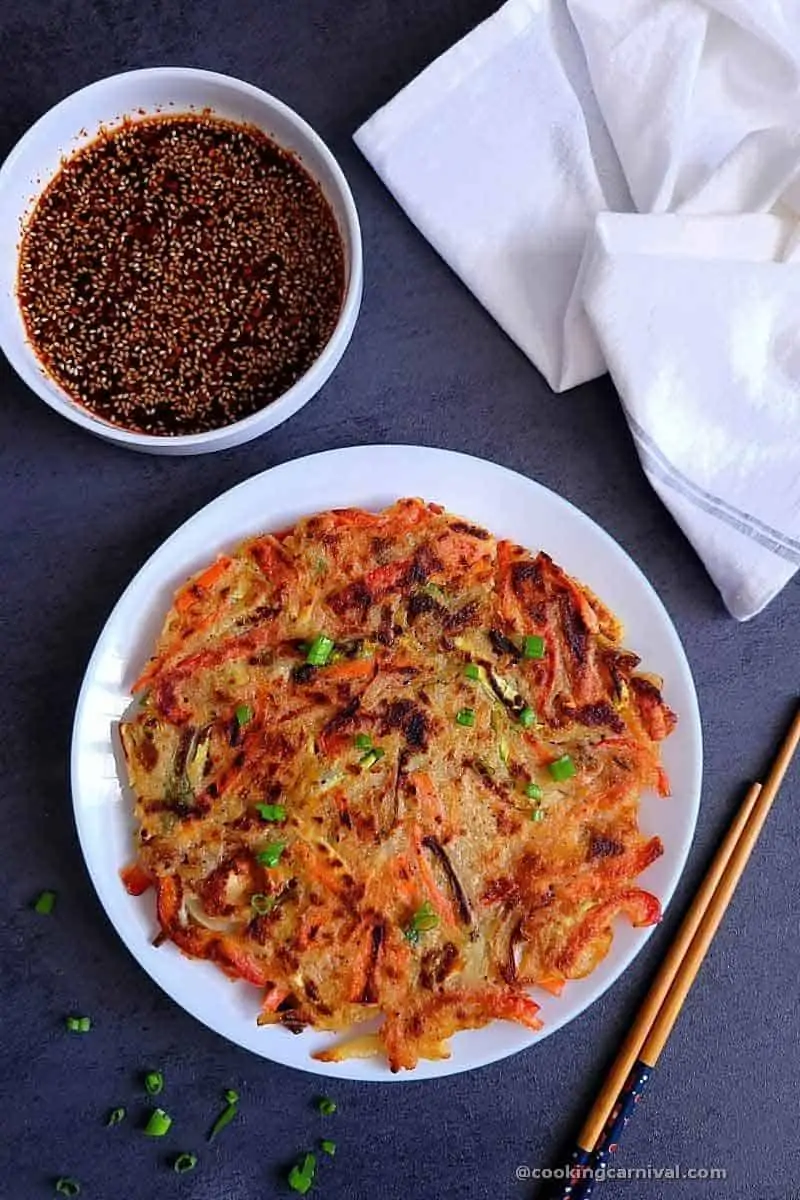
{"type": "Point", "coordinates": [384, 833]}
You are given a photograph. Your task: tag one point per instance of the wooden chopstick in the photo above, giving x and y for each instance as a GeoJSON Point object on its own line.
{"type": "Point", "coordinates": [656, 1018]}
{"type": "Point", "coordinates": [656, 1038]}
{"type": "Point", "coordinates": [629, 1050]}
{"type": "Point", "coordinates": [662, 1026]}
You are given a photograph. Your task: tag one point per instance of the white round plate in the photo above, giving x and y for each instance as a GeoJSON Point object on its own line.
{"type": "Point", "coordinates": [371, 477]}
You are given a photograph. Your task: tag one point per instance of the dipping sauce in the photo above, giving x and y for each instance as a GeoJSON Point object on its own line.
{"type": "Point", "coordinates": [180, 273]}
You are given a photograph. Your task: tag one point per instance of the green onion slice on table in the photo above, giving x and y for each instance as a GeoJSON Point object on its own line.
{"type": "Point", "coordinates": [302, 1174]}
{"type": "Point", "coordinates": [184, 1162]}
{"type": "Point", "coordinates": [153, 1083]}
{"type": "Point", "coordinates": [158, 1123]}
{"type": "Point", "coordinates": [45, 903]}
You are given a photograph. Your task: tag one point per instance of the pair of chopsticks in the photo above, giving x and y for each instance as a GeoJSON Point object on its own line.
{"type": "Point", "coordinates": [642, 1047]}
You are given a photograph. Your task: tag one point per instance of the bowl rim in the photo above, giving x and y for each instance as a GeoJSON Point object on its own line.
{"type": "Point", "coordinates": [293, 398]}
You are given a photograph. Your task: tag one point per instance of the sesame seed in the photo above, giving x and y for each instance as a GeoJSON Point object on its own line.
{"type": "Point", "coordinates": [180, 273]}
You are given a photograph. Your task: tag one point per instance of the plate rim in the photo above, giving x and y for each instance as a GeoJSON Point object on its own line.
{"type": "Point", "coordinates": [691, 719]}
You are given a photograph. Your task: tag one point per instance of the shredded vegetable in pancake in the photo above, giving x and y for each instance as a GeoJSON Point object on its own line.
{"type": "Point", "coordinates": [386, 765]}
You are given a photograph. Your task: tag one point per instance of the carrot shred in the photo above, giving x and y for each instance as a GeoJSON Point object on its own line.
{"type": "Point", "coordinates": [512, 1006]}
{"type": "Point", "coordinates": [430, 800]}
{"type": "Point", "coordinates": [189, 594]}
{"type": "Point", "coordinates": [554, 984]}
{"type": "Point", "coordinates": [342, 672]}
{"type": "Point", "coordinates": [274, 996]}
{"type": "Point", "coordinates": [135, 879]}
{"type": "Point", "coordinates": [169, 891]}
{"type": "Point", "coordinates": [361, 963]}
{"type": "Point", "coordinates": [320, 871]}
{"type": "Point", "coordinates": [403, 878]}
{"type": "Point", "coordinates": [237, 963]}
{"type": "Point", "coordinates": [147, 676]}
{"type": "Point", "coordinates": [639, 906]}
{"type": "Point", "coordinates": [185, 599]}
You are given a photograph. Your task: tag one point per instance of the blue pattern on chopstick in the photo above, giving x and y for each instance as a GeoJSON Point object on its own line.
{"type": "Point", "coordinates": [584, 1165]}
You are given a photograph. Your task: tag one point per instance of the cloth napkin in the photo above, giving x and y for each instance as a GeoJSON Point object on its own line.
{"type": "Point", "coordinates": [619, 184]}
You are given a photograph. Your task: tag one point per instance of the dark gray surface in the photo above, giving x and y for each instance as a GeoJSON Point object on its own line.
{"type": "Point", "coordinates": [78, 517]}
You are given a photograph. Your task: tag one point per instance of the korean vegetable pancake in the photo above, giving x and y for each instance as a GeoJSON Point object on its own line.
{"type": "Point", "coordinates": [386, 765]}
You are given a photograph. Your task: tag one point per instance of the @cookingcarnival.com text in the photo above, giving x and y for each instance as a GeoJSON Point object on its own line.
{"type": "Point", "coordinates": [674, 1172]}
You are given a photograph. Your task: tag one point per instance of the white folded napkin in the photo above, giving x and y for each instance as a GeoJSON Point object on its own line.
{"type": "Point", "coordinates": [620, 186]}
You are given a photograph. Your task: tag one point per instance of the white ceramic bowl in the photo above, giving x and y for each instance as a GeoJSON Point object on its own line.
{"type": "Point", "coordinates": [75, 122]}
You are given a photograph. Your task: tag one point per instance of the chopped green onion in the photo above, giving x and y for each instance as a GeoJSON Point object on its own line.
{"type": "Point", "coordinates": [270, 856]}
{"type": "Point", "coordinates": [226, 1116]}
{"type": "Point", "coordinates": [231, 1096]}
{"type": "Point", "coordinates": [78, 1024]}
{"type": "Point", "coordinates": [301, 1176]}
{"type": "Point", "coordinates": [563, 768]}
{"type": "Point", "coordinates": [184, 1162]}
{"type": "Point", "coordinates": [465, 716]}
{"type": "Point", "coordinates": [328, 1146]}
{"type": "Point", "coordinates": [115, 1117]}
{"type": "Point", "coordinates": [326, 1106]}
{"type": "Point", "coordinates": [537, 814]}
{"type": "Point", "coordinates": [533, 791]}
{"type": "Point", "coordinates": [471, 671]}
{"type": "Point", "coordinates": [433, 589]}
{"type": "Point", "coordinates": [423, 920]}
{"type": "Point", "coordinates": [527, 717]}
{"type": "Point", "coordinates": [271, 812]}
{"type": "Point", "coordinates": [244, 714]}
{"type": "Point", "coordinates": [363, 741]}
{"type": "Point", "coordinates": [66, 1186]}
{"type": "Point", "coordinates": [158, 1123]}
{"type": "Point", "coordinates": [320, 650]}
{"type": "Point", "coordinates": [153, 1083]}
{"type": "Point", "coordinates": [299, 1182]}
{"type": "Point", "coordinates": [371, 757]}
{"type": "Point", "coordinates": [45, 903]}
{"type": "Point", "coordinates": [533, 646]}
{"type": "Point", "coordinates": [262, 903]}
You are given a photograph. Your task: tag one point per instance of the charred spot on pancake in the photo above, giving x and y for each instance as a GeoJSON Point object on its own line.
{"type": "Point", "coordinates": [423, 602]}
{"type": "Point", "coordinates": [503, 645]}
{"type": "Point", "coordinates": [474, 531]}
{"type": "Point", "coordinates": [425, 562]}
{"type": "Point", "coordinates": [574, 628]}
{"type": "Point", "coordinates": [601, 846]}
{"type": "Point", "coordinates": [525, 572]}
{"type": "Point", "coordinates": [437, 964]}
{"type": "Point", "coordinates": [369, 993]}
{"type": "Point", "coordinates": [405, 716]}
{"type": "Point", "coordinates": [462, 618]}
{"type": "Point", "coordinates": [356, 599]}
{"type": "Point", "coordinates": [385, 632]}
{"type": "Point", "coordinates": [598, 714]}
{"type": "Point", "coordinates": [147, 751]}
{"type": "Point", "coordinates": [657, 717]}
